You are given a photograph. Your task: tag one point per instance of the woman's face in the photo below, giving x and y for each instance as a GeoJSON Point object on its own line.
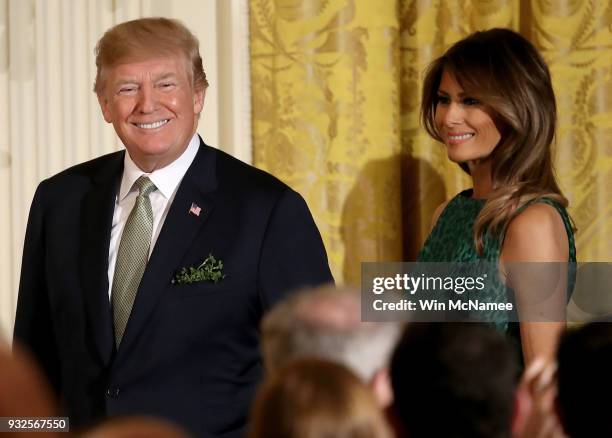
{"type": "Point", "coordinates": [465, 124]}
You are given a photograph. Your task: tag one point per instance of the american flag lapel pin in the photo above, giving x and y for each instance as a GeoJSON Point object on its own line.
{"type": "Point", "coordinates": [195, 209]}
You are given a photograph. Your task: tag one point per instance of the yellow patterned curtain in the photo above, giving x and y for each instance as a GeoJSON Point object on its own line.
{"type": "Point", "coordinates": [335, 97]}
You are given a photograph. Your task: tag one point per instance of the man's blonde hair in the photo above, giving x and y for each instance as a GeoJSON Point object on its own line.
{"type": "Point", "coordinates": [146, 38]}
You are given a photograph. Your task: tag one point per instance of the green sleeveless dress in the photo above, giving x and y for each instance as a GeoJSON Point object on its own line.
{"type": "Point", "coordinates": [451, 240]}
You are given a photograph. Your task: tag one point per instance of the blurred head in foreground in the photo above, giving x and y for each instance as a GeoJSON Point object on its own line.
{"type": "Point", "coordinates": [135, 427]}
{"type": "Point", "coordinates": [24, 391]}
{"type": "Point", "coordinates": [454, 380]}
{"type": "Point", "coordinates": [313, 398]}
{"type": "Point", "coordinates": [326, 323]}
{"type": "Point", "coordinates": [585, 364]}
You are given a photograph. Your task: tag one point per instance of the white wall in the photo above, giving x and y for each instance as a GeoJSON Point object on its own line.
{"type": "Point", "coordinates": [49, 117]}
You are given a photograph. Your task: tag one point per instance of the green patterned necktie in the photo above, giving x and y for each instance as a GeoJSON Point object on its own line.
{"type": "Point", "coordinates": [132, 256]}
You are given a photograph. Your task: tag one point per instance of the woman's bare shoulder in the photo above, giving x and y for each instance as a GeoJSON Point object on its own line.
{"type": "Point", "coordinates": [536, 234]}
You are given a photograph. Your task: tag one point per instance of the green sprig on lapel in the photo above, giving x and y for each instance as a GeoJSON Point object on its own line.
{"type": "Point", "coordinates": [210, 269]}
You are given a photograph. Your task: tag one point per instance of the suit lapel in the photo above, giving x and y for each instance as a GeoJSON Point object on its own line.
{"type": "Point", "coordinates": [177, 235]}
{"type": "Point", "coordinates": [97, 215]}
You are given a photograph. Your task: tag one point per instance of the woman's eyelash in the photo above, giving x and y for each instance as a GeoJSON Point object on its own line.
{"type": "Point", "coordinates": [470, 101]}
{"type": "Point", "coordinates": [466, 100]}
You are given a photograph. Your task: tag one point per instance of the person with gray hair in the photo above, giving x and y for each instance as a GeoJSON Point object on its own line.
{"type": "Point", "coordinates": [325, 322]}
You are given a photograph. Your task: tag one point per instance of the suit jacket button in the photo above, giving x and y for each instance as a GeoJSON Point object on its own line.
{"type": "Point", "coordinates": [112, 392]}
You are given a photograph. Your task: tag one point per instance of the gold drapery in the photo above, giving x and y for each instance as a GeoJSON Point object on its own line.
{"type": "Point", "coordinates": [335, 97]}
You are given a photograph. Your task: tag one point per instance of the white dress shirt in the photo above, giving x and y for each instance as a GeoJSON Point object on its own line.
{"type": "Point", "coordinates": [167, 180]}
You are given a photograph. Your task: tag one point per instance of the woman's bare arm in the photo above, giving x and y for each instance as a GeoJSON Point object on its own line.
{"type": "Point", "coordinates": [538, 235]}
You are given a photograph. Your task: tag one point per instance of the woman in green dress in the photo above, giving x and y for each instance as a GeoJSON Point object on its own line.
{"type": "Point", "coordinates": [490, 101]}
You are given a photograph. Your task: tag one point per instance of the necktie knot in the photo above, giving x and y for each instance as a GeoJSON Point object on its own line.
{"type": "Point", "coordinates": [145, 186]}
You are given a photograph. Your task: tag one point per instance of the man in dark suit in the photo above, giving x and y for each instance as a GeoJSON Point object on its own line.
{"type": "Point", "coordinates": [145, 273]}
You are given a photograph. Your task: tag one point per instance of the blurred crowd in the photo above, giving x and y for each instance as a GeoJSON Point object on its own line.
{"type": "Point", "coordinates": [328, 374]}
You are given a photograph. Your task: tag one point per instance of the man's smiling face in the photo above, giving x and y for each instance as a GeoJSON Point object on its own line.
{"type": "Point", "coordinates": [153, 107]}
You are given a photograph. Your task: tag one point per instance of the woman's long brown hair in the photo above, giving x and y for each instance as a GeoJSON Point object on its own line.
{"type": "Point", "coordinates": [506, 73]}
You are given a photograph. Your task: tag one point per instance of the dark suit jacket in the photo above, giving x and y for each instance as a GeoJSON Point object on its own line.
{"type": "Point", "coordinates": [190, 353]}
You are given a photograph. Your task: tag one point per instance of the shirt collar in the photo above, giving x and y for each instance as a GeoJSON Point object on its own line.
{"type": "Point", "coordinates": [165, 179]}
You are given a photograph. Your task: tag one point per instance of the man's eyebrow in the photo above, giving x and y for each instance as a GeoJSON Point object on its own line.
{"type": "Point", "coordinates": [125, 80]}
{"type": "Point", "coordinates": [134, 80]}
{"type": "Point", "coordinates": [162, 76]}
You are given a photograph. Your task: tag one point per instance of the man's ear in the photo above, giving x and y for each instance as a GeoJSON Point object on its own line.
{"type": "Point", "coordinates": [198, 100]}
{"type": "Point", "coordinates": [381, 386]}
{"type": "Point", "coordinates": [105, 107]}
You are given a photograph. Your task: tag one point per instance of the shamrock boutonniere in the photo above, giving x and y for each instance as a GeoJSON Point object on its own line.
{"type": "Point", "coordinates": [210, 269]}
